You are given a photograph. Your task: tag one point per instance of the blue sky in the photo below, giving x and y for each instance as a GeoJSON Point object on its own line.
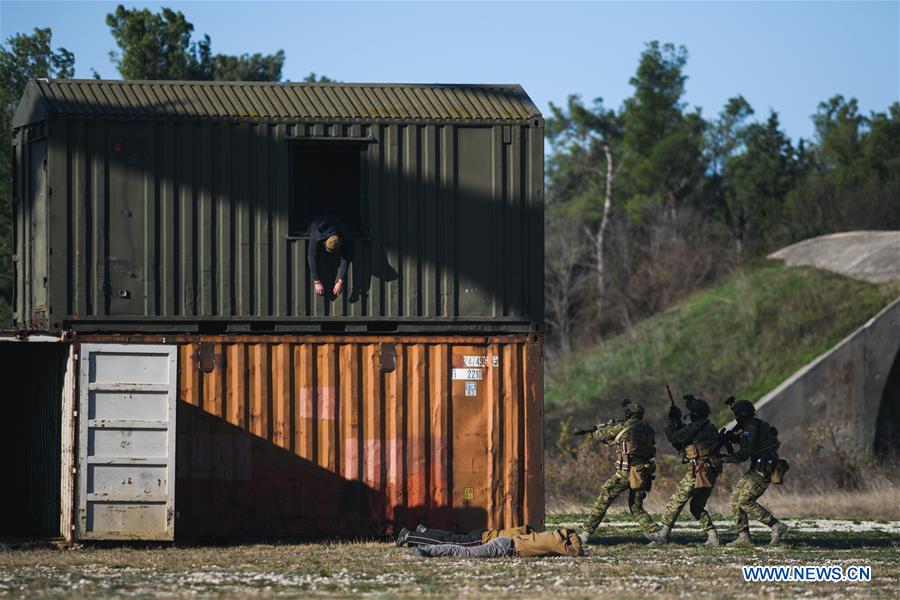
{"type": "Point", "coordinates": [788, 56]}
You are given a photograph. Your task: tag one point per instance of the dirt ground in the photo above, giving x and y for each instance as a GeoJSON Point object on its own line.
{"type": "Point", "coordinates": [618, 564]}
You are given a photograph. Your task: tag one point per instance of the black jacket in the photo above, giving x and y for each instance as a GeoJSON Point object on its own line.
{"type": "Point", "coordinates": [320, 229]}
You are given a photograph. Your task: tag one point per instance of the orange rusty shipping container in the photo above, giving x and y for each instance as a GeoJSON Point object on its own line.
{"type": "Point", "coordinates": [324, 435]}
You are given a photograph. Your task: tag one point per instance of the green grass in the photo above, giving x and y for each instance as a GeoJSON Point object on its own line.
{"type": "Point", "coordinates": [742, 337]}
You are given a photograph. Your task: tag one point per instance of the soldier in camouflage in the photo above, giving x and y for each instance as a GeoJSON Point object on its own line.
{"type": "Point", "coordinates": [759, 443]}
{"type": "Point", "coordinates": [635, 450]}
{"type": "Point", "coordinates": [697, 442]}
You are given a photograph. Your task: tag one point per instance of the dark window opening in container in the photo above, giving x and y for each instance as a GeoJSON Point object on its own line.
{"type": "Point", "coordinates": [326, 179]}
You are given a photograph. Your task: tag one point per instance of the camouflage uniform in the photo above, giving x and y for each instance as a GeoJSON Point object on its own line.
{"type": "Point", "coordinates": [760, 445]}
{"type": "Point", "coordinates": [696, 441]}
{"type": "Point", "coordinates": [635, 447]}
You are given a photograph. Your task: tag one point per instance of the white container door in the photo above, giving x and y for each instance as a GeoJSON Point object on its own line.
{"type": "Point", "coordinates": [126, 448]}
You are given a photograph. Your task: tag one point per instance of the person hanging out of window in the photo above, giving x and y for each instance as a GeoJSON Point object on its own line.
{"type": "Point", "coordinates": [331, 233]}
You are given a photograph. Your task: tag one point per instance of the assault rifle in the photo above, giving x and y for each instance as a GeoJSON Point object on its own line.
{"type": "Point", "coordinates": [596, 427]}
{"type": "Point", "coordinates": [674, 411]}
{"type": "Point", "coordinates": [727, 438]}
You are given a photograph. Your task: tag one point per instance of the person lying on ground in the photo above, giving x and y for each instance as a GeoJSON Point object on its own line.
{"type": "Point", "coordinates": [426, 536]}
{"type": "Point", "coordinates": [558, 542]}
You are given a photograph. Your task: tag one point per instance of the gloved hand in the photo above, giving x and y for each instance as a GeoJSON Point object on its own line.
{"type": "Point", "coordinates": [674, 413]}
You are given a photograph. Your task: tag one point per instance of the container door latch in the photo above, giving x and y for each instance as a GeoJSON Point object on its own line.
{"type": "Point", "coordinates": [205, 357]}
{"type": "Point", "coordinates": [388, 357]}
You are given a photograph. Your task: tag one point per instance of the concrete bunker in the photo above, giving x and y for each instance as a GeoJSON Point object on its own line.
{"type": "Point", "coordinates": [853, 389]}
{"type": "Point", "coordinates": [887, 435]}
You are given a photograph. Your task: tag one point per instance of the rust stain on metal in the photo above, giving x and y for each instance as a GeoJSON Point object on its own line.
{"type": "Point", "coordinates": [331, 443]}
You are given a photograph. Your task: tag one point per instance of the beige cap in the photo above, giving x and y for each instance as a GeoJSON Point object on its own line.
{"type": "Point", "coordinates": [333, 244]}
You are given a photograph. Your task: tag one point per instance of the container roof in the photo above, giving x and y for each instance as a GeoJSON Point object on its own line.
{"type": "Point", "coordinates": [229, 100]}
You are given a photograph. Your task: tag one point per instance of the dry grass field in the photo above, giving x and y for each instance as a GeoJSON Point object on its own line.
{"type": "Point", "coordinates": [618, 564]}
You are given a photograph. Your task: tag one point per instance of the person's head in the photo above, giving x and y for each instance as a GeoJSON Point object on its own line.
{"type": "Point", "coordinates": [743, 410]}
{"type": "Point", "coordinates": [333, 244]}
{"type": "Point", "coordinates": [698, 408]}
{"type": "Point", "coordinates": [632, 409]}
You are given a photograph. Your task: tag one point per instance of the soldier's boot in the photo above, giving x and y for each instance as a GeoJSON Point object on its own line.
{"type": "Point", "coordinates": [402, 537]}
{"type": "Point", "coordinates": [778, 531]}
{"type": "Point", "coordinates": [743, 540]}
{"type": "Point", "coordinates": [661, 536]}
{"type": "Point", "coordinates": [652, 535]}
{"type": "Point", "coordinates": [712, 538]}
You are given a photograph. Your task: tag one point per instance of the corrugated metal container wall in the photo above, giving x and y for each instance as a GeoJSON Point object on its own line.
{"type": "Point", "coordinates": [166, 222]}
{"type": "Point", "coordinates": [317, 435]}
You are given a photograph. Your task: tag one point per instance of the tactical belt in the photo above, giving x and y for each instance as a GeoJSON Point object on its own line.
{"type": "Point", "coordinates": [764, 465]}
{"type": "Point", "coordinates": [627, 462]}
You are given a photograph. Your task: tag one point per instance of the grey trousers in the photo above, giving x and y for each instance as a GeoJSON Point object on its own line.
{"type": "Point", "coordinates": [496, 548]}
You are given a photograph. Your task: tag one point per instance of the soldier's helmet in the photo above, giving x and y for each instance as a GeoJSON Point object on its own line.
{"type": "Point", "coordinates": [696, 406]}
{"type": "Point", "coordinates": [633, 408]}
{"type": "Point", "coordinates": [743, 408]}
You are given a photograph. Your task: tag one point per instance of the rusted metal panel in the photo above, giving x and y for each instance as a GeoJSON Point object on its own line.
{"type": "Point", "coordinates": [190, 225]}
{"type": "Point", "coordinates": [314, 436]}
{"type": "Point", "coordinates": [126, 444]}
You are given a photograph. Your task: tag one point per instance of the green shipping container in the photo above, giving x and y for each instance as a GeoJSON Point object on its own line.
{"type": "Point", "coordinates": [183, 206]}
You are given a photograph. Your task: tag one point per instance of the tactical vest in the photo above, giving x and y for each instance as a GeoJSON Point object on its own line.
{"type": "Point", "coordinates": [635, 445]}
{"type": "Point", "coordinates": [695, 451]}
{"type": "Point", "coordinates": [701, 446]}
{"type": "Point", "coordinates": [767, 443]}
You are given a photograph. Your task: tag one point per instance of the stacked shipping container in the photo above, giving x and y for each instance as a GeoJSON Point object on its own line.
{"type": "Point", "coordinates": [171, 215]}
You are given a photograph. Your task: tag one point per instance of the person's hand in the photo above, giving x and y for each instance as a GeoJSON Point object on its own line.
{"type": "Point", "coordinates": [320, 289]}
{"type": "Point", "coordinates": [338, 286]}
{"type": "Point", "coordinates": [674, 413]}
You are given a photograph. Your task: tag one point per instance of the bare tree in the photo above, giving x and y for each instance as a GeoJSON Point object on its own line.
{"type": "Point", "coordinates": [597, 237]}
{"type": "Point", "coordinates": [565, 276]}
{"type": "Point", "coordinates": [584, 134]}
